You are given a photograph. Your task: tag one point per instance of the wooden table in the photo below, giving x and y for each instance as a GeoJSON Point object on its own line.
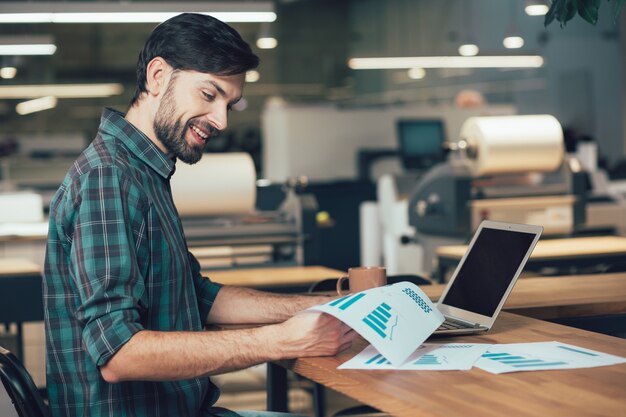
{"type": "Point", "coordinates": [572, 393]}
{"type": "Point", "coordinates": [20, 295]}
{"type": "Point", "coordinates": [576, 252]}
{"type": "Point", "coordinates": [561, 297]}
{"type": "Point", "coordinates": [286, 278]}
{"type": "Point", "coordinates": [18, 267]}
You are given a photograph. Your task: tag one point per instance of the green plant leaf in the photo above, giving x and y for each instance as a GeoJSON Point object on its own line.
{"type": "Point", "coordinates": [561, 10]}
{"type": "Point", "coordinates": [617, 8]}
{"type": "Point", "coordinates": [568, 11]}
{"type": "Point", "coordinates": [588, 10]}
{"type": "Point", "coordinates": [550, 15]}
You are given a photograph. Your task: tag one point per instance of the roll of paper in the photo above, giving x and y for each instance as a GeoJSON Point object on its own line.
{"type": "Point", "coordinates": [511, 144]}
{"type": "Point", "coordinates": [218, 184]}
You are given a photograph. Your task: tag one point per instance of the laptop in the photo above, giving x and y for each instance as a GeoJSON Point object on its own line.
{"type": "Point", "coordinates": [485, 276]}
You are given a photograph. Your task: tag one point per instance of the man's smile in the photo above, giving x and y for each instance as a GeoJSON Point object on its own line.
{"type": "Point", "coordinates": [200, 136]}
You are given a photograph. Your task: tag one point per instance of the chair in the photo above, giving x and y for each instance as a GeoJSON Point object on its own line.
{"type": "Point", "coordinates": [20, 387]}
{"type": "Point", "coordinates": [319, 395]}
{"type": "Point", "coordinates": [20, 302]}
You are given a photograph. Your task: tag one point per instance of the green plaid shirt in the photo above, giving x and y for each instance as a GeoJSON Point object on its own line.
{"type": "Point", "coordinates": [116, 263]}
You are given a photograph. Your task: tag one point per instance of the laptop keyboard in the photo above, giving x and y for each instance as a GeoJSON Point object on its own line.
{"type": "Point", "coordinates": [450, 324]}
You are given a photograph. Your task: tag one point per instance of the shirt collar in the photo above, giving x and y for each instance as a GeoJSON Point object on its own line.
{"type": "Point", "coordinates": [113, 123]}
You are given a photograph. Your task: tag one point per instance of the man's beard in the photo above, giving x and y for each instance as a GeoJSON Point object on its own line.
{"type": "Point", "coordinates": [171, 131]}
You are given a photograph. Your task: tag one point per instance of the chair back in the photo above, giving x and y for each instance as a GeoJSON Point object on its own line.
{"type": "Point", "coordinates": [20, 387]}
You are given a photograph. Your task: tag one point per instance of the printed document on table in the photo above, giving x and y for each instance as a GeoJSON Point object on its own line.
{"type": "Point", "coordinates": [396, 319]}
{"type": "Point", "coordinates": [427, 357]}
{"type": "Point", "coordinates": [518, 357]}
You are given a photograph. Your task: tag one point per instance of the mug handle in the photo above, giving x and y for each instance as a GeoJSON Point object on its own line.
{"type": "Point", "coordinates": [339, 282]}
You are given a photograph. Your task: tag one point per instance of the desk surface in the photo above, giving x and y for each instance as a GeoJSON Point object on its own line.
{"type": "Point", "coordinates": [269, 277]}
{"type": "Point", "coordinates": [571, 393]}
{"type": "Point", "coordinates": [558, 248]}
{"type": "Point", "coordinates": [17, 266]}
{"type": "Point", "coordinates": [561, 297]}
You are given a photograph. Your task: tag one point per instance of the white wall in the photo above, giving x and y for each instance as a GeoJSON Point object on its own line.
{"type": "Point", "coordinates": [321, 141]}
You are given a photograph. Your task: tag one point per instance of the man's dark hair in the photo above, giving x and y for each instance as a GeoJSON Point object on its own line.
{"type": "Point", "coordinates": [196, 42]}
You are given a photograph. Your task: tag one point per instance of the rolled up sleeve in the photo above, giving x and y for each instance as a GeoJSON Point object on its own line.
{"type": "Point", "coordinates": [108, 228]}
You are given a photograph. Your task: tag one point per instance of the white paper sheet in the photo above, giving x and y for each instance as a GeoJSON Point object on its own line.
{"type": "Point", "coordinates": [427, 357]}
{"type": "Point", "coordinates": [519, 357]}
{"type": "Point", "coordinates": [396, 319]}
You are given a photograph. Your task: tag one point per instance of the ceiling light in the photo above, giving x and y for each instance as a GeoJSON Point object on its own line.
{"type": "Point", "coordinates": [27, 45]}
{"type": "Point", "coordinates": [266, 43]}
{"type": "Point", "coordinates": [61, 90]}
{"type": "Point", "coordinates": [513, 39]}
{"type": "Point", "coordinates": [513, 42]}
{"type": "Point", "coordinates": [252, 76]}
{"type": "Point", "coordinates": [536, 8]}
{"type": "Point", "coordinates": [416, 73]}
{"type": "Point", "coordinates": [132, 12]}
{"type": "Point", "coordinates": [33, 49]}
{"type": "Point", "coordinates": [38, 104]}
{"type": "Point", "coordinates": [511, 61]}
{"type": "Point", "coordinates": [468, 49]}
{"type": "Point", "coordinates": [266, 38]}
{"type": "Point", "coordinates": [8, 72]}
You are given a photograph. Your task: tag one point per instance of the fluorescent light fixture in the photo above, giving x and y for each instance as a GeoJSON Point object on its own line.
{"type": "Point", "coordinates": [266, 43]}
{"type": "Point", "coordinates": [536, 7]}
{"type": "Point", "coordinates": [510, 61]}
{"type": "Point", "coordinates": [33, 49]}
{"type": "Point", "coordinates": [468, 49]}
{"type": "Point", "coordinates": [132, 12]}
{"type": "Point", "coordinates": [416, 73]}
{"type": "Point", "coordinates": [27, 45]}
{"type": "Point", "coordinates": [513, 42]}
{"type": "Point", "coordinates": [38, 104]}
{"type": "Point", "coordinates": [536, 10]}
{"type": "Point", "coordinates": [252, 76]}
{"type": "Point", "coordinates": [8, 72]}
{"type": "Point", "coordinates": [61, 90]}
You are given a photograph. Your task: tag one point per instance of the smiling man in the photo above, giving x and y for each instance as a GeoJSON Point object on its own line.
{"type": "Point", "coordinates": [124, 299]}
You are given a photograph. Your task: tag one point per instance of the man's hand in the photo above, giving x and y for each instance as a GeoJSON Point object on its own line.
{"type": "Point", "coordinates": [314, 334]}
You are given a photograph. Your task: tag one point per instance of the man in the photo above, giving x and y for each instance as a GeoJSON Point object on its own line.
{"type": "Point", "coordinates": [125, 303]}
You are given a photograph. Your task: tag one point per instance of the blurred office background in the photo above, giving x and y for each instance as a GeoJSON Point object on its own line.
{"type": "Point", "coordinates": [314, 127]}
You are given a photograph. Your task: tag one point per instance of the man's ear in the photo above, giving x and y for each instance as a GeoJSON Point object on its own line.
{"type": "Point", "coordinates": [157, 72]}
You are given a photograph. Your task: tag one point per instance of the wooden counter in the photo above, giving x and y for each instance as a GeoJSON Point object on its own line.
{"type": "Point", "coordinates": [572, 393]}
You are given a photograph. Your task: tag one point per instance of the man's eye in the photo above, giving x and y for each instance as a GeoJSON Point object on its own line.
{"type": "Point", "coordinates": [208, 96]}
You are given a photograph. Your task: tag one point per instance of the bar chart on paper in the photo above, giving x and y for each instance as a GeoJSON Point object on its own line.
{"type": "Point", "coordinates": [432, 360]}
{"type": "Point", "coordinates": [538, 356]}
{"type": "Point", "coordinates": [519, 361]}
{"type": "Point", "coordinates": [389, 317]}
{"type": "Point", "coordinates": [382, 321]}
{"type": "Point", "coordinates": [346, 302]}
{"type": "Point", "coordinates": [428, 357]}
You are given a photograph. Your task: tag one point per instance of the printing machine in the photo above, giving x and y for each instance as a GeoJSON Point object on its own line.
{"type": "Point", "coordinates": [445, 204]}
{"type": "Point", "coordinates": [280, 237]}
{"type": "Point", "coordinates": [450, 200]}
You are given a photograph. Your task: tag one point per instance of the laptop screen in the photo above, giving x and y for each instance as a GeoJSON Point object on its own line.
{"type": "Point", "coordinates": [488, 270]}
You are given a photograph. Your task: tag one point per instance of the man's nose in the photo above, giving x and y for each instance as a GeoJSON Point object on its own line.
{"type": "Point", "coordinates": [218, 119]}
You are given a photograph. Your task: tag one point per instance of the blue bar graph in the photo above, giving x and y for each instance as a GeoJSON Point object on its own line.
{"type": "Point", "coordinates": [427, 359]}
{"type": "Point", "coordinates": [377, 360]}
{"type": "Point", "coordinates": [344, 302]}
{"type": "Point", "coordinates": [577, 350]}
{"type": "Point", "coordinates": [518, 361]}
{"type": "Point", "coordinates": [378, 319]}
{"type": "Point", "coordinates": [373, 359]}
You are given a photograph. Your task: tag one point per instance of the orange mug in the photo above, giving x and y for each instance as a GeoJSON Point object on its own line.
{"type": "Point", "coordinates": [363, 278]}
